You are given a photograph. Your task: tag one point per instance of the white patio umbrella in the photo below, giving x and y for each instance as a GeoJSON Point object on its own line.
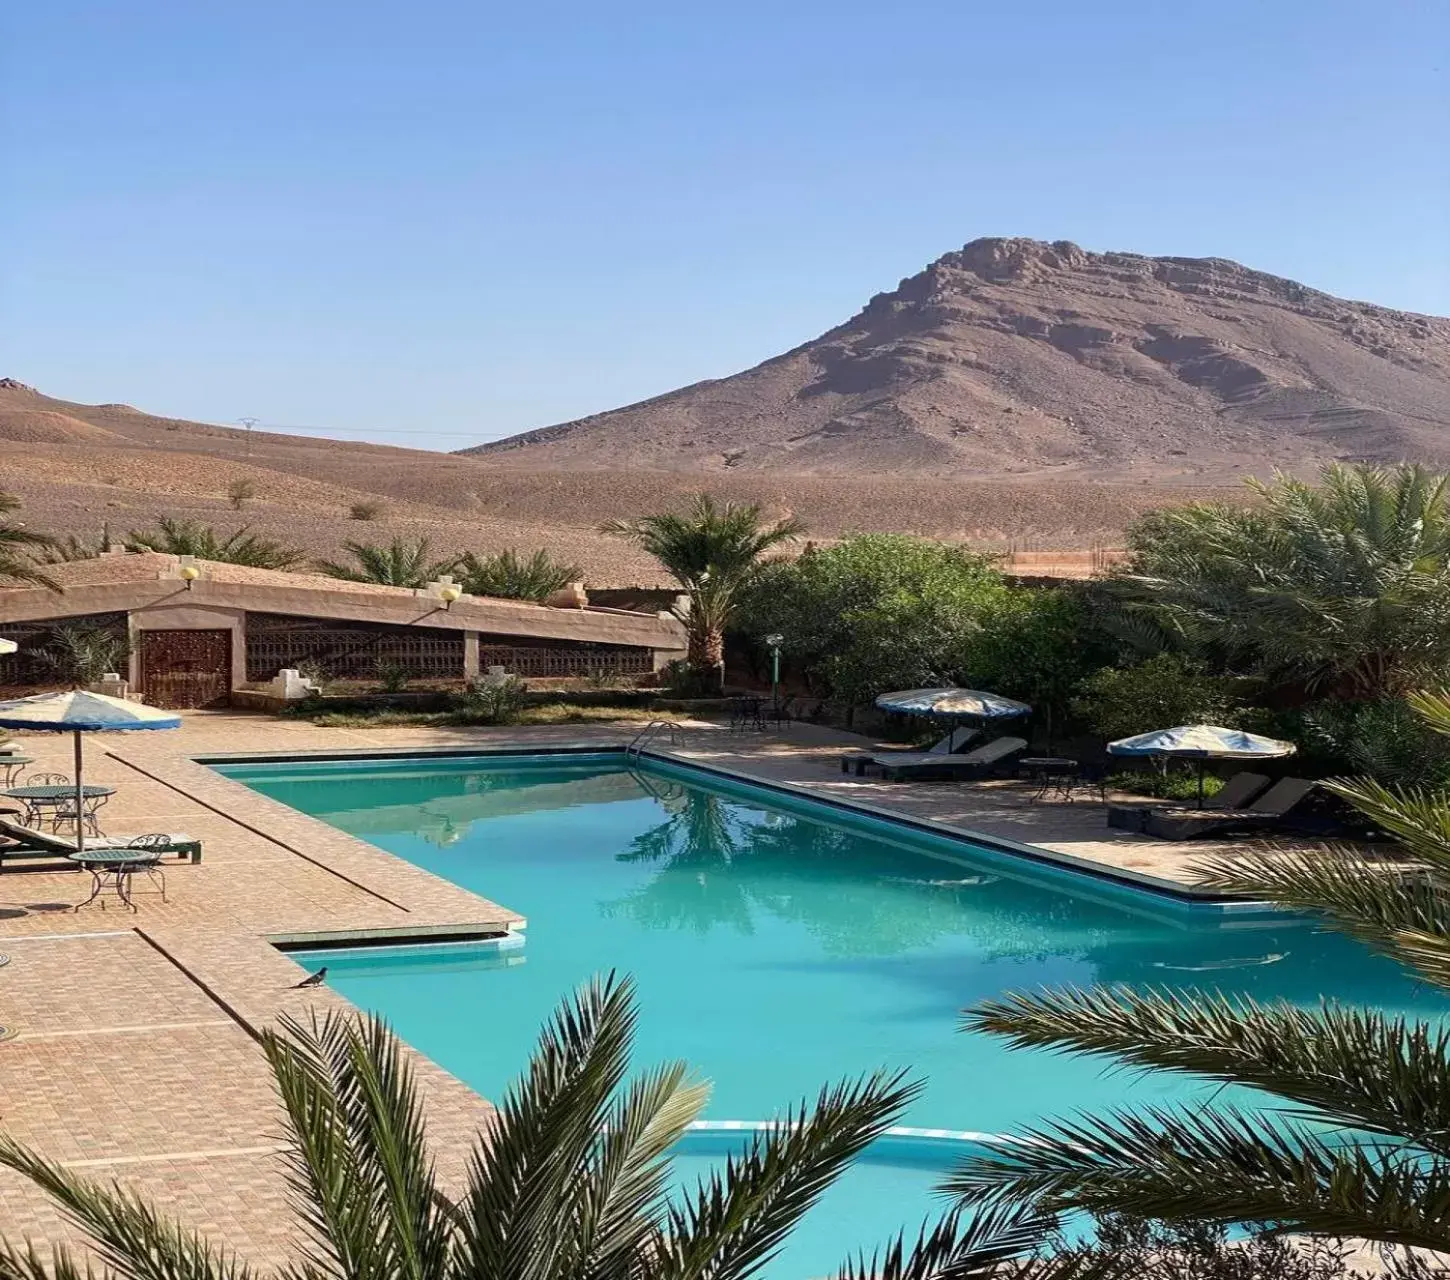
{"type": "Point", "coordinates": [7, 646]}
{"type": "Point", "coordinates": [953, 702]}
{"type": "Point", "coordinates": [1201, 742]}
{"type": "Point", "coordinates": [79, 711]}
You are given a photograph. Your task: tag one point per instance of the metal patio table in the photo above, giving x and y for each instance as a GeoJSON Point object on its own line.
{"type": "Point", "coordinates": [55, 796]}
{"type": "Point", "coordinates": [114, 869]}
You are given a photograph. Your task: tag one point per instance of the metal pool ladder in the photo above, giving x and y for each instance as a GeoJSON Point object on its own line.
{"type": "Point", "coordinates": [653, 729]}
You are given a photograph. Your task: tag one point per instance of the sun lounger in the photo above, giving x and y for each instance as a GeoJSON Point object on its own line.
{"type": "Point", "coordinates": [20, 841]}
{"type": "Point", "coordinates": [1236, 793]}
{"type": "Point", "coordinates": [985, 760]}
{"type": "Point", "coordinates": [957, 740]}
{"type": "Point", "coordinates": [1272, 810]}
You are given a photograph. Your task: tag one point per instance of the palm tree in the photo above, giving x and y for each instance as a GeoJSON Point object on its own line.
{"type": "Point", "coordinates": [1364, 1148]}
{"type": "Point", "coordinates": [509, 576]}
{"type": "Point", "coordinates": [20, 549]}
{"type": "Point", "coordinates": [569, 1184]}
{"type": "Point", "coordinates": [713, 551]}
{"type": "Point", "coordinates": [192, 538]}
{"type": "Point", "coordinates": [399, 564]}
{"type": "Point", "coordinates": [1343, 586]}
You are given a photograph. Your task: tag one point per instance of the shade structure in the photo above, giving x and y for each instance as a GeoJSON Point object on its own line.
{"type": "Point", "coordinates": [953, 702]}
{"type": "Point", "coordinates": [79, 711]}
{"type": "Point", "coordinates": [7, 646]}
{"type": "Point", "coordinates": [1201, 742]}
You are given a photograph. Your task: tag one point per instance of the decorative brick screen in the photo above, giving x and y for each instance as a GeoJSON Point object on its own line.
{"type": "Point", "coordinates": [349, 651]}
{"type": "Point", "coordinates": [28, 666]}
{"type": "Point", "coordinates": [542, 663]}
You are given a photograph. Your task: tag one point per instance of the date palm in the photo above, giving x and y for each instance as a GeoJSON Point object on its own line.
{"type": "Point", "coordinates": [399, 564]}
{"type": "Point", "coordinates": [713, 551]}
{"type": "Point", "coordinates": [1362, 1147]}
{"type": "Point", "coordinates": [509, 576]}
{"type": "Point", "coordinates": [20, 549]}
{"type": "Point", "coordinates": [192, 538]}
{"type": "Point", "coordinates": [569, 1184]}
{"type": "Point", "coordinates": [1343, 586]}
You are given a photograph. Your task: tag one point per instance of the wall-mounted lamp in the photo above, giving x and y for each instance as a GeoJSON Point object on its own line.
{"type": "Point", "coordinates": [448, 595]}
{"type": "Point", "coordinates": [189, 574]}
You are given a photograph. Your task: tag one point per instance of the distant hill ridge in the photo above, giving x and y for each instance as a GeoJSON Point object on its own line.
{"type": "Point", "coordinates": [1019, 358]}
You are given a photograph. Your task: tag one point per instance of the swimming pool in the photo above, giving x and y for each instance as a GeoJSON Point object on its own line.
{"type": "Point", "coordinates": [777, 944]}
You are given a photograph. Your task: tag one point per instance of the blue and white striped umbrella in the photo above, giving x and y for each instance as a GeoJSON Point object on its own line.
{"type": "Point", "coordinates": [952, 702]}
{"type": "Point", "coordinates": [79, 711]}
{"type": "Point", "coordinates": [1202, 742]}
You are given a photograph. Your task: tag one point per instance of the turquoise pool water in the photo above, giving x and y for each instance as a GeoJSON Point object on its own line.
{"type": "Point", "coordinates": [778, 944]}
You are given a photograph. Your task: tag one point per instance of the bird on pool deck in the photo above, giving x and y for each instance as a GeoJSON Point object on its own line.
{"type": "Point", "coordinates": [313, 979]}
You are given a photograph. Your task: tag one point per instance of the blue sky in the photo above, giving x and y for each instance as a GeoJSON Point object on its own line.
{"type": "Point", "coordinates": [438, 223]}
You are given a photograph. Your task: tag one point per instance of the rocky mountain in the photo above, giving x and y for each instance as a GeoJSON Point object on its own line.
{"type": "Point", "coordinates": [1017, 358]}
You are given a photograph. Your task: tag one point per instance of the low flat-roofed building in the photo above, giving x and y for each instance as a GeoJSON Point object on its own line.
{"type": "Point", "coordinates": [198, 630]}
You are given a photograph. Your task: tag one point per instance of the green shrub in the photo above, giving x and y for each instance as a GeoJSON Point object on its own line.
{"type": "Point", "coordinates": [1165, 691]}
{"type": "Point", "coordinates": [1173, 782]}
{"type": "Point", "coordinates": [369, 510]}
{"type": "Point", "coordinates": [494, 701]}
{"type": "Point", "coordinates": [392, 676]}
{"type": "Point", "coordinates": [875, 612]}
{"type": "Point", "coordinates": [82, 655]}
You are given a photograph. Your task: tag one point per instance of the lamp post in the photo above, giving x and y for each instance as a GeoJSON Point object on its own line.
{"type": "Point", "coordinates": [775, 641]}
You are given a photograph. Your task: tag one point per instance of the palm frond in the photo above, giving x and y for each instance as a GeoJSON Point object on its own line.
{"type": "Point", "coordinates": [1402, 913]}
{"type": "Point", "coordinates": [1355, 1067]}
{"type": "Point", "coordinates": [130, 1236]}
{"type": "Point", "coordinates": [737, 1218]}
{"type": "Point", "coordinates": [30, 1264]}
{"type": "Point", "coordinates": [360, 1170]}
{"type": "Point", "coordinates": [1219, 1166]}
{"type": "Point", "coordinates": [962, 1246]}
{"type": "Point", "coordinates": [517, 1218]}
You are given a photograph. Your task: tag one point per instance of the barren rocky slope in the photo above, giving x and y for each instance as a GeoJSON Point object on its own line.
{"type": "Point", "coordinates": [1017, 358]}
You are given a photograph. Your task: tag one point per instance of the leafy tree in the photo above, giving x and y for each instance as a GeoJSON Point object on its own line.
{"type": "Point", "coordinates": [1362, 1148]}
{"type": "Point", "coordinates": [399, 564]}
{"type": "Point", "coordinates": [1383, 740]}
{"type": "Point", "coordinates": [508, 576]}
{"type": "Point", "coordinates": [1343, 587]}
{"type": "Point", "coordinates": [714, 552]}
{"type": "Point", "coordinates": [1036, 645]}
{"type": "Point", "coordinates": [191, 538]}
{"type": "Point", "coordinates": [876, 612]}
{"type": "Point", "coordinates": [570, 1183]}
{"type": "Point", "coordinates": [1164, 691]}
{"type": "Point", "coordinates": [20, 549]}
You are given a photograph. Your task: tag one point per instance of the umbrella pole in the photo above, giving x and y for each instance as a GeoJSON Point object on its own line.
{"type": "Point", "coordinates": [1200, 784]}
{"type": "Point", "coordinates": [80, 800]}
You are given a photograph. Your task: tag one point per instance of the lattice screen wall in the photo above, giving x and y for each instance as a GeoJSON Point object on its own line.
{"type": "Point", "coordinates": [28, 666]}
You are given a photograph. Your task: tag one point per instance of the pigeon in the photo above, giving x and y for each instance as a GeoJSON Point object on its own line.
{"type": "Point", "coordinates": [313, 979]}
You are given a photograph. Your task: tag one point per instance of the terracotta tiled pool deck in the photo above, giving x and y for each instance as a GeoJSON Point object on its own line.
{"type": "Point", "coordinates": [135, 1056]}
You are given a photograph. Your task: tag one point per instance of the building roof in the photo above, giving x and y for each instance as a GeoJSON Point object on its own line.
{"type": "Point", "coordinates": [132, 581]}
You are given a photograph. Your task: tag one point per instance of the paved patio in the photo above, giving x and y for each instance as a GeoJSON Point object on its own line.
{"type": "Point", "coordinates": [134, 1056]}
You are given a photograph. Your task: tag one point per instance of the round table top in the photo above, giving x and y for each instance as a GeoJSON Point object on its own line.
{"type": "Point", "coordinates": [1048, 762]}
{"type": "Point", "coordinates": [7, 758]}
{"type": "Point", "coordinates": [57, 791]}
{"type": "Point", "coordinates": [113, 857]}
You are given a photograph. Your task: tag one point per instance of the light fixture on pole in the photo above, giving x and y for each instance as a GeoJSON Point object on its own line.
{"type": "Point", "coordinates": [775, 641]}
{"type": "Point", "coordinates": [448, 595]}
{"type": "Point", "coordinates": [189, 573]}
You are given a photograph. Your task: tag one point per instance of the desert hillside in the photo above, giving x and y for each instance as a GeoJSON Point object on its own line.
{"type": "Point", "coordinates": [1015, 358]}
